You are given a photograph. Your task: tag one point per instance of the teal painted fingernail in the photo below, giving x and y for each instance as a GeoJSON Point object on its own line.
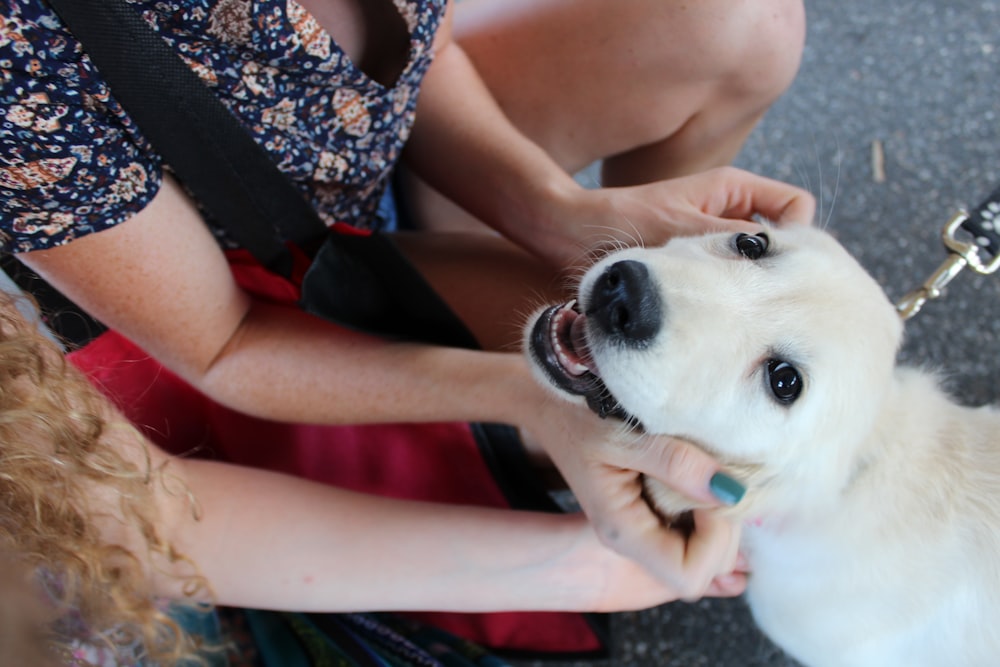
{"type": "Point", "coordinates": [726, 489]}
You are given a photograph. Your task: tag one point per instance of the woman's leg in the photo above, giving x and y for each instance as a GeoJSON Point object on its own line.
{"type": "Point", "coordinates": [659, 87]}
{"type": "Point", "coordinates": [653, 88]}
{"type": "Point", "coordinates": [490, 283]}
{"type": "Point", "coordinates": [493, 286]}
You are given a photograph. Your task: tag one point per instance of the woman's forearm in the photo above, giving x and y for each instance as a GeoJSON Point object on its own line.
{"type": "Point", "coordinates": [289, 366]}
{"type": "Point", "coordinates": [493, 170]}
{"type": "Point", "coordinates": [267, 540]}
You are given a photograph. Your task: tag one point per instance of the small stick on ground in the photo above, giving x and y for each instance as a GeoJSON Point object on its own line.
{"type": "Point", "coordinates": [878, 162]}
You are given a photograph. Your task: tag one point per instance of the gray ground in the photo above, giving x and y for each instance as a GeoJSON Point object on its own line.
{"type": "Point", "coordinates": [921, 79]}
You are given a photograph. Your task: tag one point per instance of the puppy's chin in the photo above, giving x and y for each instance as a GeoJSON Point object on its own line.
{"type": "Point", "coordinates": [670, 505]}
{"type": "Point", "coordinates": [666, 502]}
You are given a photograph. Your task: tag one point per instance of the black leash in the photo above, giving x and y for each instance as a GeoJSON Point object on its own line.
{"type": "Point", "coordinates": [984, 224]}
{"type": "Point", "coordinates": [972, 240]}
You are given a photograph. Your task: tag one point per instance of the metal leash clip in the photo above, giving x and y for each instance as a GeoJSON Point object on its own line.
{"type": "Point", "coordinates": [960, 255]}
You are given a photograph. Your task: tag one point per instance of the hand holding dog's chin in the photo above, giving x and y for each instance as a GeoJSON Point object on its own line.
{"type": "Point", "coordinates": [615, 582]}
{"type": "Point", "coordinates": [708, 570]}
{"type": "Point", "coordinates": [603, 465]}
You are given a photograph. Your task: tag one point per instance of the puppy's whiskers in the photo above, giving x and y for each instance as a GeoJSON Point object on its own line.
{"type": "Point", "coordinates": [836, 190]}
{"type": "Point", "coordinates": [612, 242]}
{"type": "Point", "coordinates": [631, 431]}
{"type": "Point", "coordinates": [825, 205]}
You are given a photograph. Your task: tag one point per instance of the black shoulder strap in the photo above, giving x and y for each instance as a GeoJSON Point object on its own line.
{"type": "Point", "coordinates": [204, 144]}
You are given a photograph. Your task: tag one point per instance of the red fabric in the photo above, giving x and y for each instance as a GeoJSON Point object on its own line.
{"type": "Point", "coordinates": [434, 462]}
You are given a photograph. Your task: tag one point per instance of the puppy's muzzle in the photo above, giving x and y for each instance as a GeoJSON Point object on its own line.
{"type": "Point", "coordinates": [622, 307]}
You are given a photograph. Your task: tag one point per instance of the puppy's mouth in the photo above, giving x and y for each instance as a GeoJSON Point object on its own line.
{"type": "Point", "coordinates": [558, 343]}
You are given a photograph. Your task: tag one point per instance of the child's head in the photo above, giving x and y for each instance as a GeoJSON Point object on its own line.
{"type": "Point", "coordinates": [60, 482]}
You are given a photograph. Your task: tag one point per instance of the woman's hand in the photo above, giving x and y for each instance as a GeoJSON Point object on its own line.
{"type": "Point", "coordinates": [725, 198]}
{"type": "Point", "coordinates": [613, 582]}
{"type": "Point", "coordinates": [603, 464]}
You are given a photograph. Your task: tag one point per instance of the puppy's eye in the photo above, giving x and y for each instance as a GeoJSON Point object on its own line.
{"type": "Point", "coordinates": [784, 381]}
{"type": "Point", "coordinates": [751, 246]}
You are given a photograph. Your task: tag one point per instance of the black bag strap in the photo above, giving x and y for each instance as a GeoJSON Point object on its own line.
{"type": "Point", "coordinates": [206, 146]}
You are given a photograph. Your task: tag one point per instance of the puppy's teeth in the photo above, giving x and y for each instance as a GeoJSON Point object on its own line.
{"type": "Point", "coordinates": [570, 366]}
{"type": "Point", "coordinates": [568, 362]}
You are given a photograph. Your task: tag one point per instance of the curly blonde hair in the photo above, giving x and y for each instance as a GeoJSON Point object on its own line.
{"type": "Point", "coordinates": [58, 478]}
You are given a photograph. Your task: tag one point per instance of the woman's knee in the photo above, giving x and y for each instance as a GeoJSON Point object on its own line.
{"type": "Point", "coordinates": [753, 48]}
{"type": "Point", "coordinates": [715, 69]}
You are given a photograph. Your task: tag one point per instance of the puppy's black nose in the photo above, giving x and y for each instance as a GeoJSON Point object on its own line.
{"type": "Point", "coordinates": [625, 303]}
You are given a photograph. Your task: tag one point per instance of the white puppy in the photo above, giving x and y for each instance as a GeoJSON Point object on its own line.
{"type": "Point", "coordinates": [872, 516]}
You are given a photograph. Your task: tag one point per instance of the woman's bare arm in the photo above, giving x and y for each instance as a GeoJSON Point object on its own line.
{"type": "Point", "coordinates": [161, 280]}
{"type": "Point", "coordinates": [272, 541]}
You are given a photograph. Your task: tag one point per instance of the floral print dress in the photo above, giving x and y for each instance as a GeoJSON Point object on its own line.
{"type": "Point", "coordinates": [72, 162]}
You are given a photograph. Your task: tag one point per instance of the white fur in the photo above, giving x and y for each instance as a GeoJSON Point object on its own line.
{"type": "Point", "coordinates": [873, 505]}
